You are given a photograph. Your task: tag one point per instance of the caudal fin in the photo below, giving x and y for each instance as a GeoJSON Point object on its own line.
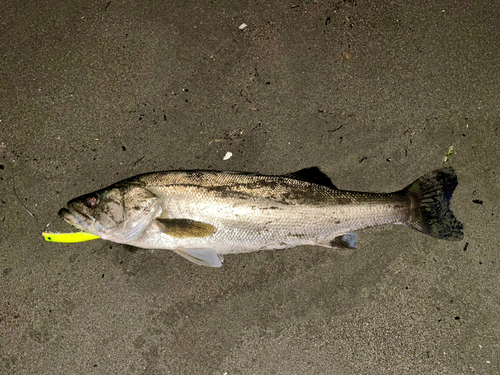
{"type": "Point", "coordinates": [430, 209]}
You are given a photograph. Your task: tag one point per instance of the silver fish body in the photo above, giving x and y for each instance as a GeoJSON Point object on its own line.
{"type": "Point", "coordinates": [200, 214]}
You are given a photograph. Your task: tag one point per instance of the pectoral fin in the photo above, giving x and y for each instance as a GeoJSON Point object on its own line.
{"type": "Point", "coordinates": [202, 257]}
{"type": "Point", "coordinates": [185, 228]}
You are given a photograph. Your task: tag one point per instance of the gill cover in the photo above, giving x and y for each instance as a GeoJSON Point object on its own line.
{"type": "Point", "coordinates": [140, 207]}
{"type": "Point", "coordinates": [119, 213]}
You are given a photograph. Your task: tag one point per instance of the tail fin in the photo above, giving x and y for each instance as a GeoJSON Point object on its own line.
{"type": "Point", "coordinates": [430, 205]}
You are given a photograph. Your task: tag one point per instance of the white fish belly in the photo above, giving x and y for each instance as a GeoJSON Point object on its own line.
{"type": "Point", "coordinates": [254, 223]}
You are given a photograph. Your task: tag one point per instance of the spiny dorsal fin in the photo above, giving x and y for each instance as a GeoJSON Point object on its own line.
{"type": "Point", "coordinates": [312, 175]}
{"type": "Point", "coordinates": [185, 228]}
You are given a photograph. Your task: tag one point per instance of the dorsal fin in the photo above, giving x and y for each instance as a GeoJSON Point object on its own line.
{"type": "Point", "coordinates": [312, 175]}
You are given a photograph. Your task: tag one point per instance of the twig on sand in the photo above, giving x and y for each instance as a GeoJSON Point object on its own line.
{"type": "Point", "coordinates": [398, 271]}
{"type": "Point", "coordinates": [229, 137]}
{"type": "Point", "coordinates": [19, 199]}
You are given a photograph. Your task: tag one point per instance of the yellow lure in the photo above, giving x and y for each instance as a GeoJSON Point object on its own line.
{"type": "Point", "coordinates": [69, 237]}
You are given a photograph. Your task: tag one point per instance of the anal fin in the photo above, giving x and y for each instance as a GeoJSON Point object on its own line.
{"type": "Point", "coordinates": [201, 257]}
{"type": "Point", "coordinates": [345, 241]}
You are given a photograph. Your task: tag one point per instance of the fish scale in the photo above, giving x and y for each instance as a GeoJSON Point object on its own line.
{"type": "Point", "coordinates": [265, 212]}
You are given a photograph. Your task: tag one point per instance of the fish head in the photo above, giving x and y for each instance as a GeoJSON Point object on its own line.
{"type": "Point", "coordinates": [119, 213]}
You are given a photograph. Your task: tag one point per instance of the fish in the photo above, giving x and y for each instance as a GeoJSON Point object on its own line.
{"type": "Point", "coordinates": [204, 215]}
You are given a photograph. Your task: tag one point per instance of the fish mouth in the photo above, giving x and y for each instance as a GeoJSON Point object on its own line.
{"type": "Point", "coordinates": [70, 217]}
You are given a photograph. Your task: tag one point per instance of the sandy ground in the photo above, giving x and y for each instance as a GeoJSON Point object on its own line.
{"type": "Point", "coordinates": [372, 92]}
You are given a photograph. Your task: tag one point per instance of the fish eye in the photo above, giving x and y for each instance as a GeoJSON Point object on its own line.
{"type": "Point", "coordinates": [92, 201]}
